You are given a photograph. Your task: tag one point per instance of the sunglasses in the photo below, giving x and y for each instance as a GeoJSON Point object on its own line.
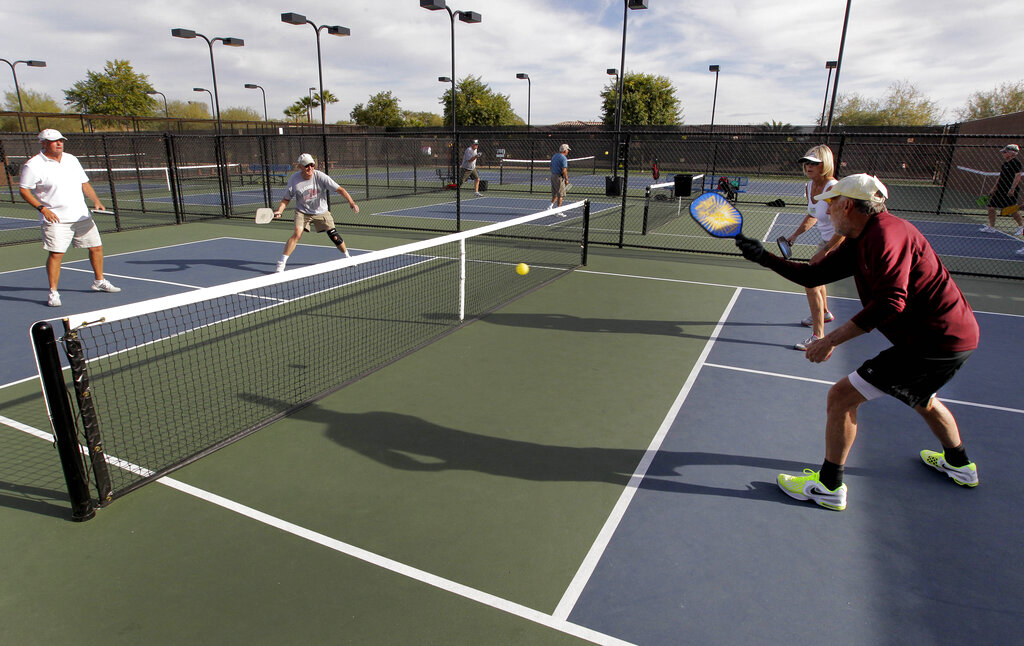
{"type": "Point", "coordinates": [309, 165]}
{"type": "Point", "coordinates": [810, 163]}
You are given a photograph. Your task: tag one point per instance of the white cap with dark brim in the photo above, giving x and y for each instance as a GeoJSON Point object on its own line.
{"type": "Point", "coordinates": [858, 187]}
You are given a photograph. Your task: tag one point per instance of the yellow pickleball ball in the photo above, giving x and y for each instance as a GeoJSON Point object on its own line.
{"type": "Point", "coordinates": [522, 269]}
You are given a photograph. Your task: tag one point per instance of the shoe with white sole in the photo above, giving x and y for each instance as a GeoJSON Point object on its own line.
{"type": "Point", "coordinates": [104, 286]}
{"type": "Point", "coordinates": [53, 300]}
{"type": "Point", "coordinates": [809, 322]}
{"type": "Point", "coordinates": [808, 487]}
{"type": "Point", "coordinates": [966, 475]}
{"type": "Point", "coordinates": [802, 345]}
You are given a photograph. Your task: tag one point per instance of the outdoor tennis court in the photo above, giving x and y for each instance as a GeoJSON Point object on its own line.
{"type": "Point", "coordinates": [592, 463]}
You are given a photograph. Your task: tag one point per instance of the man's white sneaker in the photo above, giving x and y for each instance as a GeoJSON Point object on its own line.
{"type": "Point", "coordinates": [54, 300]}
{"type": "Point", "coordinates": [104, 286]}
{"type": "Point", "coordinates": [802, 345]}
{"type": "Point", "coordinates": [988, 229]}
{"type": "Point", "coordinates": [280, 266]}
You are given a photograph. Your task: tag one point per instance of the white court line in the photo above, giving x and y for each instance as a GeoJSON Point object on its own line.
{"type": "Point", "coordinates": [1004, 409]}
{"type": "Point", "coordinates": [391, 565]}
{"type": "Point", "coordinates": [589, 564]}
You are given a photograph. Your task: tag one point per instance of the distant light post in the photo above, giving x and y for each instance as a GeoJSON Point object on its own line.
{"type": "Point", "coordinates": [309, 108]}
{"type": "Point", "coordinates": [529, 91]}
{"type": "Point", "coordinates": [470, 17]}
{"type": "Point", "coordinates": [228, 42]}
{"type": "Point", "coordinates": [627, 5]}
{"type": "Point", "coordinates": [17, 90]}
{"type": "Point", "coordinates": [714, 99]}
{"type": "Point", "coordinates": [829, 65]}
{"type": "Point", "coordinates": [166, 112]}
{"type": "Point", "coordinates": [839, 65]}
{"type": "Point", "coordinates": [333, 30]}
{"type": "Point", "coordinates": [203, 89]}
{"type": "Point", "coordinates": [253, 86]}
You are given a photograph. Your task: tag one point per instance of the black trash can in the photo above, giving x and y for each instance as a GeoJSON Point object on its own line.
{"type": "Point", "coordinates": [483, 185]}
{"type": "Point", "coordinates": [684, 185]}
{"type": "Point", "coordinates": [612, 186]}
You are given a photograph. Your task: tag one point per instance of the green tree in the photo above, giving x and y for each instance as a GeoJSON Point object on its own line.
{"type": "Point", "coordinates": [421, 119]}
{"type": "Point", "coordinates": [240, 114]}
{"type": "Point", "coordinates": [903, 105]}
{"type": "Point", "coordinates": [477, 105]}
{"type": "Point", "coordinates": [1005, 99]}
{"type": "Point", "coordinates": [188, 109]}
{"type": "Point", "coordinates": [647, 100]}
{"type": "Point", "coordinates": [381, 110]}
{"type": "Point", "coordinates": [296, 111]}
{"type": "Point", "coordinates": [777, 126]}
{"type": "Point", "coordinates": [117, 90]}
{"type": "Point", "coordinates": [33, 102]}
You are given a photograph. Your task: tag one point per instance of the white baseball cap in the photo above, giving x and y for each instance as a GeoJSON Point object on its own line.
{"type": "Point", "coordinates": [563, 148]}
{"type": "Point", "coordinates": [859, 187]}
{"type": "Point", "coordinates": [51, 135]}
{"type": "Point", "coordinates": [306, 159]}
{"type": "Point", "coordinates": [475, 142]}
{"type": "Point", "coordinates": [1009, 148]}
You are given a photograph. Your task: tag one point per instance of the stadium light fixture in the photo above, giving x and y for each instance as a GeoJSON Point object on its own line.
{"type": "Point", "coordinates": [227, 41]}
{"type": "Point", "coordinates": [203, 89]}
{"type": "Point", "coordinates": [470, 17]}
{"type": "Point", "coordinates": [253, 86]}
{"type": "Point", "coordinates": [627, 6]}
{"type": "Point", "coordinates": [293, 18]}
{"type": "Point", "coordinates": [529, 91]}
{"type": "Point", "coordinates": [166, 112]}
{"type": "Point", "coordinates": [829, 65]}
{"type": "Point", "coordinates": [17, 90]}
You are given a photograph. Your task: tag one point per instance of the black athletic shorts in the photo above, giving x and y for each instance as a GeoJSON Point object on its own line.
{"type": "Point", "coordinates": [909, 377]}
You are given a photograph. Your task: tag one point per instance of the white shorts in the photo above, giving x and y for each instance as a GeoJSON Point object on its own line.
{"type": "Point", "coordinates": [58, 236]}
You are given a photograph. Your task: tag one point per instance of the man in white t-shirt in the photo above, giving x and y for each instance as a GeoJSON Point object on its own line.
{"type": "Point", "coordinates": [468, 168]}
{"type": "Point", "coordinates": [310, 187]}
{"type": "Point", "coordinates": [54, 183]}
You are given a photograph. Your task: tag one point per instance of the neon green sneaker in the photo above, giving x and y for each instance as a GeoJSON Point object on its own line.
{"type": "Point", "coordinates": [966, 476]}
{"type": "Point", "coordinates": [808, 487]}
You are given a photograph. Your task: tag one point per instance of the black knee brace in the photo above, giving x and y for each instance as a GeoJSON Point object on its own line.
{"type": "Point", "coordinates": [335, 238]}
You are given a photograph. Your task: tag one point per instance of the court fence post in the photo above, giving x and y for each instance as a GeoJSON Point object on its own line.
{"type": "Point", "coordinates": [110, 182]}
{"type": "Point", "coordinates": [62, 421]}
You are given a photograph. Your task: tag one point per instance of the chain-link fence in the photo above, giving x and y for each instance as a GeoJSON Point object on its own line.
{"type": "Point", "coordinates": [410, 180]}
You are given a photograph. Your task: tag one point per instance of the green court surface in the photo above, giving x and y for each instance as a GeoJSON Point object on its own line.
{"type": "Point", "coordinates": [448, 498]}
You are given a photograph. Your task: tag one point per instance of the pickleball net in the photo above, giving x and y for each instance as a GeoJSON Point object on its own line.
{"type": "Point", "coordinates": [161, 383]}
{"type": "Point", "coordinates": [661, 205]}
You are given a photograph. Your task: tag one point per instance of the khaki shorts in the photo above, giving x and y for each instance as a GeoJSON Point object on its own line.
{"type": "Point", "coordinates": [557, 186]}
{"type": "Point", "coordinates": [58, 236]}
{"type": "Point", "coordinates": [322, 221]}
{"type": "Point", "coordinates": [465, 173]}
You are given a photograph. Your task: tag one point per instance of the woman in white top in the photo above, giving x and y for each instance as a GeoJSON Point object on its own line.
{"type": "Point", "coordinates": [819, 167]}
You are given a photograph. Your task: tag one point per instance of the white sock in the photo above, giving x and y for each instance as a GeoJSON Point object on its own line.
{"type": "Point", "coordinates": [348, 255]}
{"type": "Point", "coordinates": [283, 258]}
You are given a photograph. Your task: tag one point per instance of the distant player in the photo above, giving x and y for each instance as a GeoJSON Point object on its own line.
{"type": "Point", "coordinates": [559, 176]}
{"type": "Point", "coordinates": [309, 187]}
{"type": "Point", "coordinates": [468, 168]}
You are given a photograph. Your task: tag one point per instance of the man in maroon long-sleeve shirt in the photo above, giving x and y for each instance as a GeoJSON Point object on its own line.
{"type": "Point", "coordinates": [907, 294]}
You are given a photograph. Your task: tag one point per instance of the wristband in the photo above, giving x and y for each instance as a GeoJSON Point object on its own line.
{"type": "Point", "coordinates": [40, 208]}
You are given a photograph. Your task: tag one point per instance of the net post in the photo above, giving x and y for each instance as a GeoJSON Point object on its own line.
{"type": "Point", "coordinates": [90, 421]}
{"type": "Point", "coordinates": [55, 393]}
{"type": "Point", "coordinates": [647, 208]}
{"type": "Point", "coordinates": [585, 244]}
{"type": "Point", "coordinates": [169, 148]}
{"type": "Point", "coordinates": [462, 279]}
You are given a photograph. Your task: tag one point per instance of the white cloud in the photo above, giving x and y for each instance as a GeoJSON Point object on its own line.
{"type": "Point", "coordinates": [772, 54]}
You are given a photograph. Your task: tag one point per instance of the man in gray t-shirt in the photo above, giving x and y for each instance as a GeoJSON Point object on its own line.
{"type": "Point", "coordinates": [309, 188]}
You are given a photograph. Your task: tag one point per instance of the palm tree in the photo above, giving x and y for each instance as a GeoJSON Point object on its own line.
{"type": "Point", "coordinates": [295, 111]}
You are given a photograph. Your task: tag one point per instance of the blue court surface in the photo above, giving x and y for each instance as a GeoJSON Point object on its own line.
{"type": "Point", "coordinates": [492, 209]}
{"type": "Point", "coordinates": [8, 224]}
{"type": "Point", "coordinates": [141, 275]}
{"type": "Point", "coordinates": [707, 549]}
{"type": "Point", "coordinates": [959, 239]}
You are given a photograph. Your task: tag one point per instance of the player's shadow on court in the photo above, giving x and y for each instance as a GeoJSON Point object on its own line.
{"type": "Point", "coordinates": [568, 323]}
{"type": "Point", "coordinates": [171, 266]}
{"type": "Point", "coordinates": [410, 443]}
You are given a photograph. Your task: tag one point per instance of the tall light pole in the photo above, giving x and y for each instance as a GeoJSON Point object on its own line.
{"type": "Point", "coordinates": [714, 98]}
{"type": "Point", "coordinates": [152, 92]}
{"type": "Point", "coordinates": [627, 5]}
{"type": "Point", "coordinates": [333, 30]}
{"type": "Point", "coordinates": [470, 17]}
{"type": "Point", "coordinates": [309, 108]}
{"type": "Point", "coordinates": [227, 41]}
{"type": "Point", "coordinates": [829, 65]}
{"type": "Point", "coordinates": [203, 89]}
{"type": "Point", "coordinates": [714, 102]}
{"type": "Point", "coordinates": [17, 90]}
{"type": "Point", "coordinates": [253, 86]}
{"type": "Point", "coordinates": [839, 65]}
{"type": "Point", "coordinates": [529, 91]}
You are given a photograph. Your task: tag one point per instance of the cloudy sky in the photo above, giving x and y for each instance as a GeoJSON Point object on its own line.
{"type": "Point", "coordinates": [772, 53]}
